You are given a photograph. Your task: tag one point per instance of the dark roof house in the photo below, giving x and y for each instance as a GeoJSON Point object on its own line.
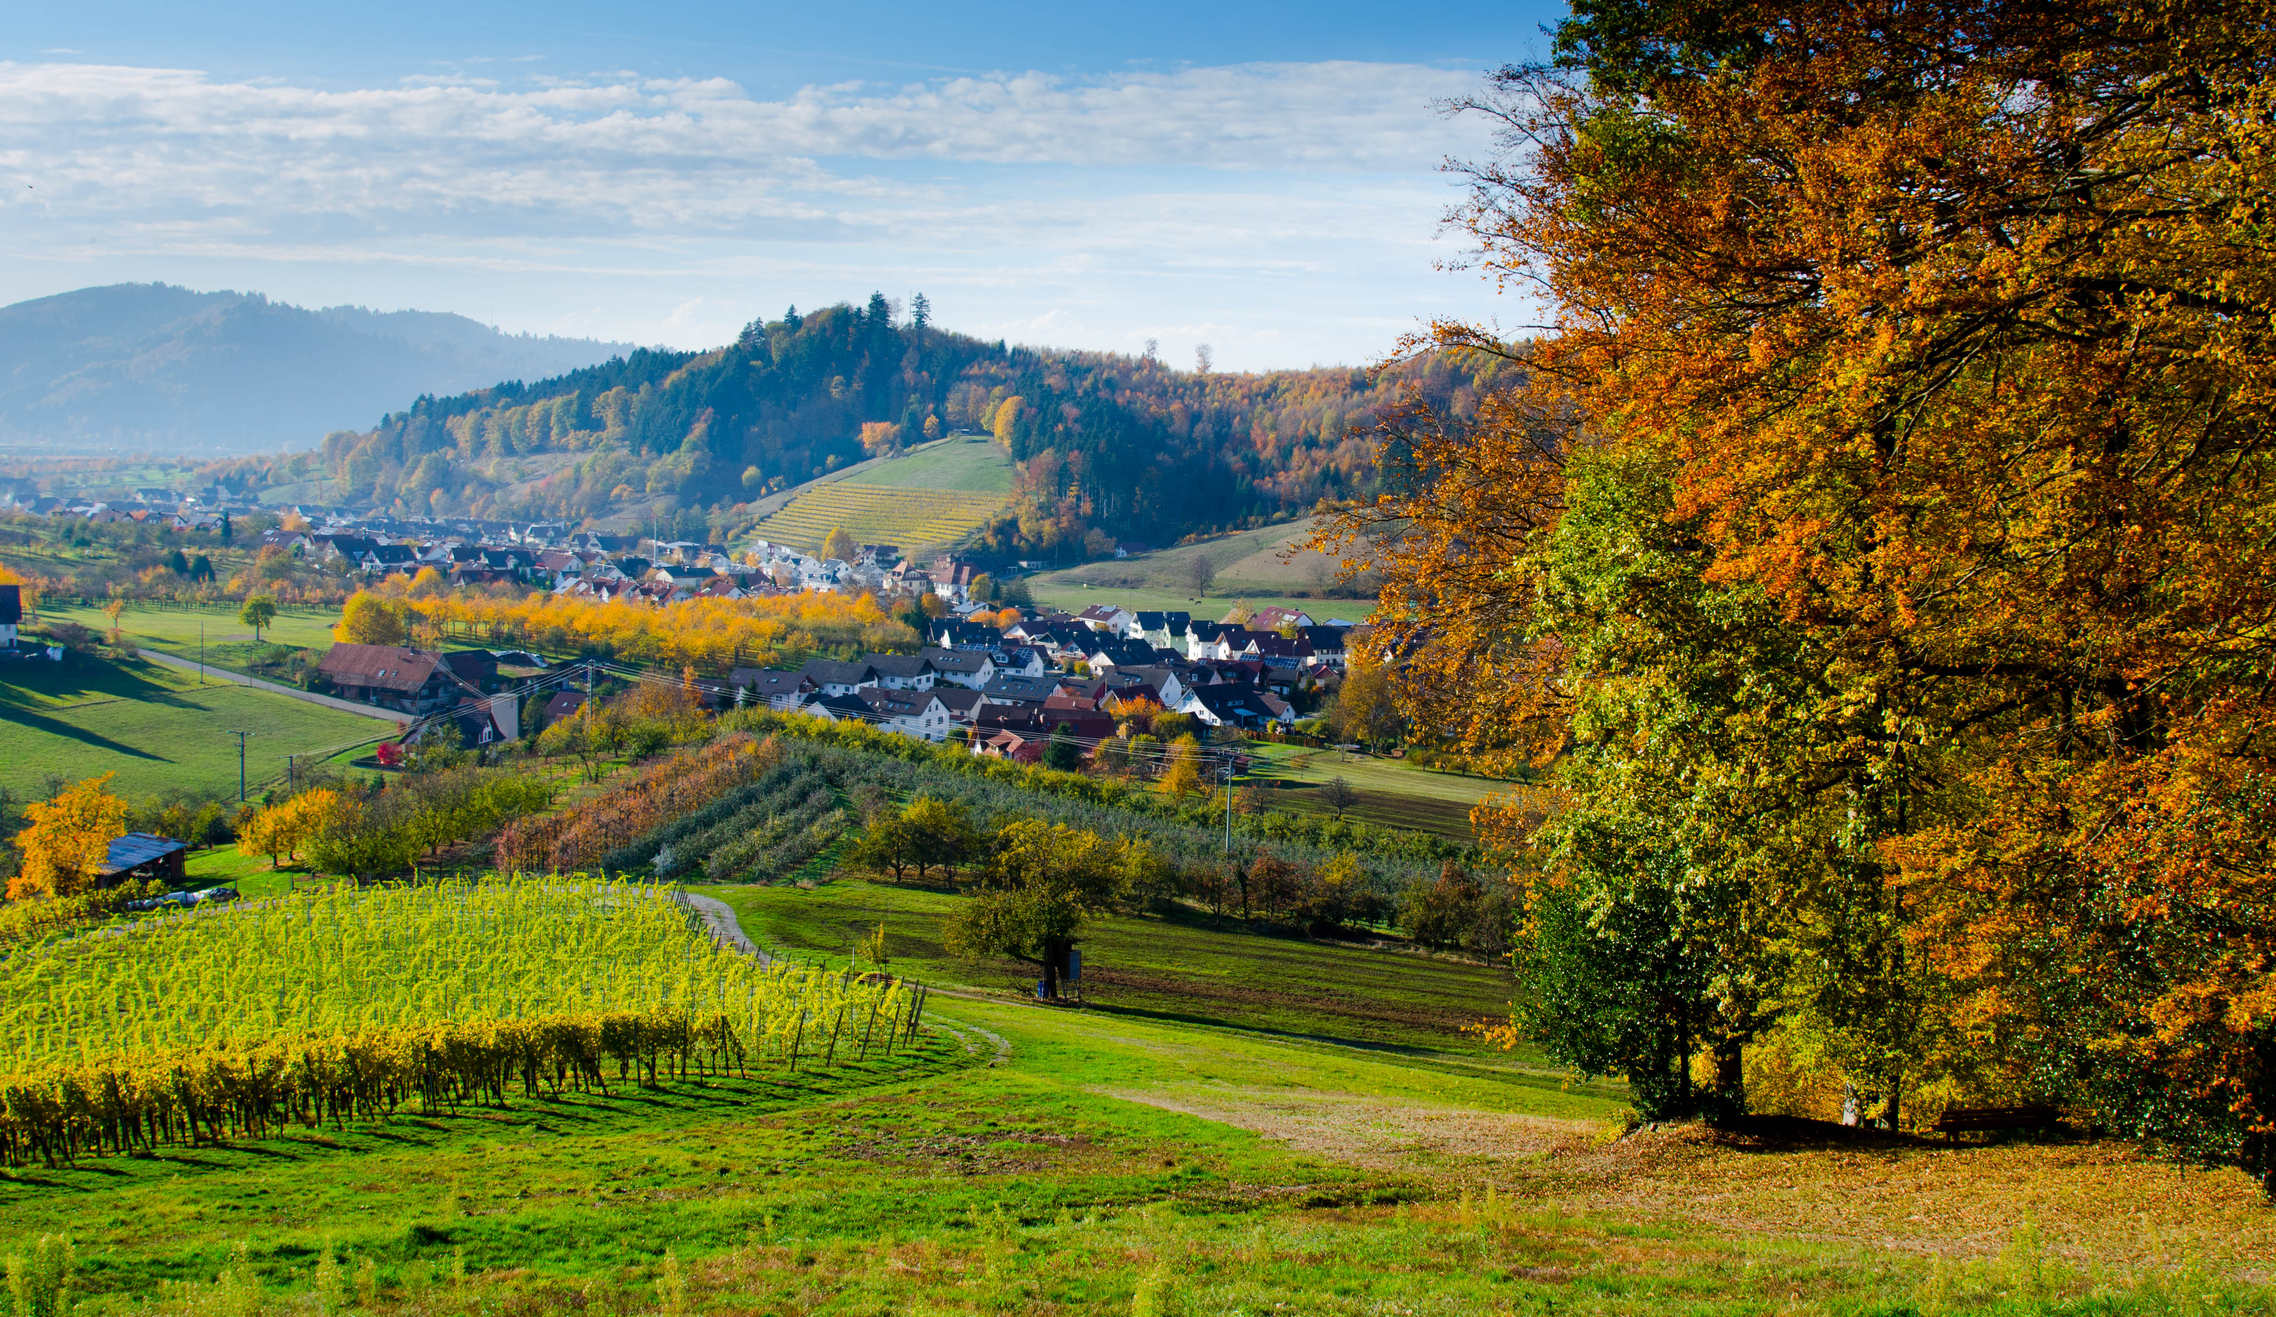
{"type": "Point", "coordinates": [141, 855]}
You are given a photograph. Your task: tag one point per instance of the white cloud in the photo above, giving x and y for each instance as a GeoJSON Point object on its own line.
{"type": "Point", "coordinates": [1060, 208]}
{"type": "Point", "coordinates": [674, 152]}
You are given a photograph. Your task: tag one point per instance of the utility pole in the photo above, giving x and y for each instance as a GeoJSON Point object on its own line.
{"type": "Point", "coordinates": [1225, 770]}
{"type": "Point", "coordinates": [240, 763]}
{"type": "Point", "coordinates": [201, 651]}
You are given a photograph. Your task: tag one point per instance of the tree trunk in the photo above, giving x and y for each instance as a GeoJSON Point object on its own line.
{"type": "Point", "coordinates": [1730, 1077]}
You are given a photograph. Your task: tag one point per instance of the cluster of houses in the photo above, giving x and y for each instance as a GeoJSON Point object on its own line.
{"type": "Point", "coordinates": [153, 507]}
{"type": "Point", "coordinates": [540, 555]}
{"type": "Point", "coordinates": [1009, 691]}
{"type": "Point", "coordinates": [602, 567]}
{"type": "Point", "coordinates": [1007, 688]}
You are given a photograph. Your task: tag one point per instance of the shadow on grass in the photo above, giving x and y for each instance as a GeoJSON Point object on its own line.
{"type": "Point", "coordinates": [58, 728]}
{"type": "Point", "coordinates": [1267, 1031]}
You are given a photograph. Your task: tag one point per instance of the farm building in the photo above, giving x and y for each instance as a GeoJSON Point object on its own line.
{"type": "Point", "coordinates": [412, 680]}
{"type": "Point", "coordinates": [140, 856]}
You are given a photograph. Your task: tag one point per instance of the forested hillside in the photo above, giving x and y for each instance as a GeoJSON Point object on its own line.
{"type": "Point", "coordinates": [1122, 446]}
{"type": "Point", "coordinates": [155, 367]}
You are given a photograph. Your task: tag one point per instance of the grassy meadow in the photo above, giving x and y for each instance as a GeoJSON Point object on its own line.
{"type": "Point", "coordinates": [1030, 1159]}
{"type": "Point", "coordinates": [1390, 792]}
{"type": "Point", "coordinates": [227, 642]}
{"type": "Point", "coordinates": [964, 463]}
{"type": "Point", "coordinates": [154, 726]}
{"type": "Point", "coordinates": [1263, 567]}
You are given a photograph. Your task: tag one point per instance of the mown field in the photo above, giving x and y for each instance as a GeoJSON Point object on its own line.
{"type": "Point", "coordinates": [966, 463]}
{"type": "Point", "coordinates": [1390, 791]}
{"type": "Point", "coordinates": [156, 727]}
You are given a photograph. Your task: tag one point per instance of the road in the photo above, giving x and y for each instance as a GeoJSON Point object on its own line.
{"type": "Point", "coordinates": [234, 679]}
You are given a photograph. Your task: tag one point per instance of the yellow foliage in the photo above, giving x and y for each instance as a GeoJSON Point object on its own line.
{"type": "Point", "coordinates": [68, 839]}
{"type": "Point", "coordinates": [370, 620]}
{"type": "Point", "coordinates": [710, 635]}
{"type": "Point", "coordinates": [283, 828]}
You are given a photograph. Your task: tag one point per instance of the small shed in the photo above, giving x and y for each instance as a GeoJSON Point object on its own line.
{"type": "Point", "coordinates": [142, 856]}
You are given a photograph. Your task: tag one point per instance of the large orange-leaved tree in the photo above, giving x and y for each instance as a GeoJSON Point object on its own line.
{"type": "Point", "coordinates": [1881, 548]}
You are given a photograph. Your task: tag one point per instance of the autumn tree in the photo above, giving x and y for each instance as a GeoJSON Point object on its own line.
{"type": "Point", "coordinates": [67, 840]}
{"type": "Point", "coordinates": [282, 830]}
{"type": "Point", "coordinates": [1867, 526]}
{"type": "Point", "coordinates": [1367, 708]}
{"type": "Point", "coordinates": [1182, 774]}
{"type": "Point", "coordinates": [1044, 883]}
{"type": "Point", "coordinates": [841, 545]}
{"type": "Point", "coordinates": [880, 438]}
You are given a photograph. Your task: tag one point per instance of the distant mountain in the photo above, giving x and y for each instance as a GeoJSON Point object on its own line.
{"type": "Point", "coordinates": [158, 368]}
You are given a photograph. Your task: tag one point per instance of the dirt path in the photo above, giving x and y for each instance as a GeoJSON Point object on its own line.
{"type": "Point", "coordinates": [719, 919]}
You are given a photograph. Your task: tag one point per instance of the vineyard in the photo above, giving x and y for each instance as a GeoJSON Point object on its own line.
{"type": "Point", "coordinates": [346, 1003]}
{"type": "Point", "coordinates": [880, 514]}
{"type": "Point", "coordinates": [732, 811]}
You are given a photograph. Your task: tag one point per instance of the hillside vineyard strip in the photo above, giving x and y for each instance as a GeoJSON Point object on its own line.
{"type": "Point", "coordinates": [347, 959]}
{"type": "Point", "coordinates": [911, 518]}
{"type": "Point", "coordinates": [443, 990]}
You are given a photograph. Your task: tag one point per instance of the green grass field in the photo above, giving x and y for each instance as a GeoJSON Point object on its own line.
{"type": "Point", "coordinates": [1053, 592]}
{"type": "Point", "coordinates": [1263, 567]}
{"type": "Point", "coordinates": [1184, 967]}
{"type": "Point", "coordinates": [155, 727]}
{"type": "Point", "coordinates": [1390, 791]}
{"type": "Point", "coordinates": [176, 630]}
{"type": "Point", "coordinates": [966, 463]}
{"type": "Point", "coordinates": [1055, 1160]}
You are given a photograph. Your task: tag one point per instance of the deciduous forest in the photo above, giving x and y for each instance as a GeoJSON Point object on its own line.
{"type": "Point", "coordinates": [1122, 445]}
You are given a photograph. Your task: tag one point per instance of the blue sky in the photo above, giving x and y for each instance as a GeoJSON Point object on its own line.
{"type": "Point", "coordinates": [1264, 178]}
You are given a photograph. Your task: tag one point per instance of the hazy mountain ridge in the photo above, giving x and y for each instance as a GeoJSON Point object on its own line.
{"type": "Point", "coordinates": [158, 367]}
